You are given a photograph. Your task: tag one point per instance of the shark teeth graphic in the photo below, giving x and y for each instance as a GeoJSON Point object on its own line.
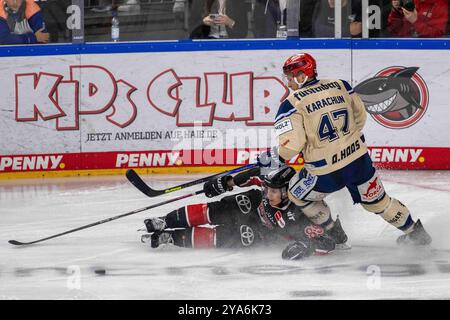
{"type": "Point", "coordinates": [382, 106]}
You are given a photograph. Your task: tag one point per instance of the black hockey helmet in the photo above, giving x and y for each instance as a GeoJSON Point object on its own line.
{"type": "Point", "coordinates": [279, 178]}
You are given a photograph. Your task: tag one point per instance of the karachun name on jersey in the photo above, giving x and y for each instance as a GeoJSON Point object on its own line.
{"type": "Point", "coordinates": [322, 103]}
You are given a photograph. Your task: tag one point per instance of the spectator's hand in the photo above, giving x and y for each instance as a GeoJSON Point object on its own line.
{"type": "Point", "coordinates": [224, 20]}
{"type": "Point", "coordinates": [42, 37]}
{"type": "Point", "coordinates": [411, 16]}
{"type": "Point", "coordinates": [208, 21]}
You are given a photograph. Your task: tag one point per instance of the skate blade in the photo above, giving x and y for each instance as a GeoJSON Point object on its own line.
{"type": "Point", "coordinates": [146, 238]}
{"type": "Point", "coordinates": [343, 246]}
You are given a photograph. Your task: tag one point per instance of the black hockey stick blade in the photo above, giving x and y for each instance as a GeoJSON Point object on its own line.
{"type": "Point", "coordinates": [134, 178]}
{"type": "Point", "coordinates": [137, 181]}
{"type": "Point", "coordinates": [17, 243]}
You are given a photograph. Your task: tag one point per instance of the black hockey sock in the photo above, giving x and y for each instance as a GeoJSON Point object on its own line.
{"type": "Point", "coordinates": [182, 238]}
{"type": "Point", "coordinates": [177, 219]}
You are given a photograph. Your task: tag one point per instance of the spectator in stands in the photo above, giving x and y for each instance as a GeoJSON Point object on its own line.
{"type": "Point", "coordinates": [268, 15]}
{"type": "Point", "coordinates": [323, 20]}
{"type": "Point", "coordinates": [21, 22]}
{"type": "Point", "coordinates": [374, 30]}
{"type": "Point", "coordinates": [130, 5]}
{"type": "Point", "coordinates": [306, 15]}
{"type": "Point", "coordinates": [55, 15]}
{"type": "Point", "coordinates": [103, 6]}
{"type": "Point", "coordinates": [418, 18]}
{"type": "Point", "coordinates": [178, 5]}
{"type": "Point", "coordinates": [220, 19]}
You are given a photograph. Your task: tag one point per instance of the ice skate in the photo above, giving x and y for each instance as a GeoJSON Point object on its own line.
{"type": "Point", "coordinates": [338, 234]}
{"type": "Point", "coordinates": [157, 238]}
{"type": "Point", "coordinates": [155, 224]}
{"type": "Point", "coordinates": [417, 237]}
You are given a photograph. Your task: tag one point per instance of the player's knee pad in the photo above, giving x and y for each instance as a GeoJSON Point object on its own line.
{"type": "Point", "coordinates": [301, 189]}
{"type": "Point", "coordinates": [377, 206]}
{"type": "Point", "coordinates": [196, 237]}
{"type": "Point", "coordinates": [318, 212]}
{"type": "Point", "coordinates": [188, 216]}
{"type": "Point", "coordinates": [393, 211]}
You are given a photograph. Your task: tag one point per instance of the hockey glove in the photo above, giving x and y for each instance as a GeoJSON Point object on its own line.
{"type": "Point", "coordinates": [242, 178]}
{"type": "Point", "coordinates": [298, 250]}
{"type": "Point", "coordinates": [217, 186]}
{"type": "Point", "coordinates": [269, 160]}
{"type": "Point", "coordinates": [323, 244]}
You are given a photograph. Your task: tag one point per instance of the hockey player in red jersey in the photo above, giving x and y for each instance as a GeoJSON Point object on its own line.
{"type": "Point", "coordinates": [324, 119]}
{"type": "Point", "coordinates": [248, 219]}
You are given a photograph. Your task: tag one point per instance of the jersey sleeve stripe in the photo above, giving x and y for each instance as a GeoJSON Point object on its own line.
{"type": "Point", "coordinates": [348, 87]}
{"type": "Point", "coordinates": [284, 115]}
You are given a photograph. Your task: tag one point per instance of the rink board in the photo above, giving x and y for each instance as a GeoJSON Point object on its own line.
{"type": "Point", "coordinates": [205, 106]}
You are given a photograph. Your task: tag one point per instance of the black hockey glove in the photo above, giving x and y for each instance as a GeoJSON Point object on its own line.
{"type": "Point", "coordinates": [306, 247]}
{"type": "Point", "coordinates": [323, 244]}
{"type": "Point", "coordinates": [243, 177]}
{"type": "Point", "coordinates": [217, 186]}
{"type": "Point", "coordinates": [298, 250]}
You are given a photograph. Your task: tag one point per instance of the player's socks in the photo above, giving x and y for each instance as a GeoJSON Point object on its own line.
{"type": "Point", "coordinates": [203, 237]}
{"type": "Point", "coordinates": [188, 216]}
{"type": "Point", "coordinates": [196, 237]}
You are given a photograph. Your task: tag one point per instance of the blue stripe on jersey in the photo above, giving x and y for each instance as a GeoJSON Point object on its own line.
{"type": "Point", "coordinates": [409, 221]}
{"type": "Point", "coordinates": [285, 110]}
{"type": "Point", "coordinates": [348, 86]}
{"type": "Point", "coordinates": [311, 83]}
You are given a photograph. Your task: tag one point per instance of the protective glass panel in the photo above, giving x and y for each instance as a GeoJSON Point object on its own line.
{"type": "Point", "coordinates": [136, 20]}
{"type": "Point", "coordinates": [38, 22]}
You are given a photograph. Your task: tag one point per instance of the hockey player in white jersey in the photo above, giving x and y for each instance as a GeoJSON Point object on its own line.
{"type": "Point", "coordinates": [324, 119]}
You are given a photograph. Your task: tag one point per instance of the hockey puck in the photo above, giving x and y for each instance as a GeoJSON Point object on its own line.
{"type": "Point", "coordinates": [100, 271]}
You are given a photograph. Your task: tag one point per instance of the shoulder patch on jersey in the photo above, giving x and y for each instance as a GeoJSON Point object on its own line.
{"type": "Point", "coordinates": [285, 110]}
{"type": "Point", "coordinates": [283, 126]}
{"type": "Point", "coordinates": [347, 86]}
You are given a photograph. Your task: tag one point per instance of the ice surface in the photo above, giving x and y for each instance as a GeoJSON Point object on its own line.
{"type": "Point", "coordinates": [109, 261]}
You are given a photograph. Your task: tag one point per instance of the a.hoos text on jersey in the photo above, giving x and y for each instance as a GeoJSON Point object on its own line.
{"type": "Point", "coordinates": [355, 146]}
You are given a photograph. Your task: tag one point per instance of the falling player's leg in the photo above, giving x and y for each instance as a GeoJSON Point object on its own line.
{"type": "Point", "coordinates": [195, 237]}
{"type": "Point", "coordinates": [224, 211]}
{"type": "Point", "coordinates": [184, 217]}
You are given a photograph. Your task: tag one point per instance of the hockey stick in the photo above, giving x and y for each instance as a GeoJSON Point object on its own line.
{"type": "Point", "coordinates": [137, 181]}
{"type": "Point", "coordinates": [18, 243]}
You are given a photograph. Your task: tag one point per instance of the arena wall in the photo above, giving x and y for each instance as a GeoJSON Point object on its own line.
{"type": "Point", "coordinates": [187, 106]}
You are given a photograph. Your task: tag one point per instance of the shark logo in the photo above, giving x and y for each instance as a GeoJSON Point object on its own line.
{"type": "Point", "coordinates": [396, 97]}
